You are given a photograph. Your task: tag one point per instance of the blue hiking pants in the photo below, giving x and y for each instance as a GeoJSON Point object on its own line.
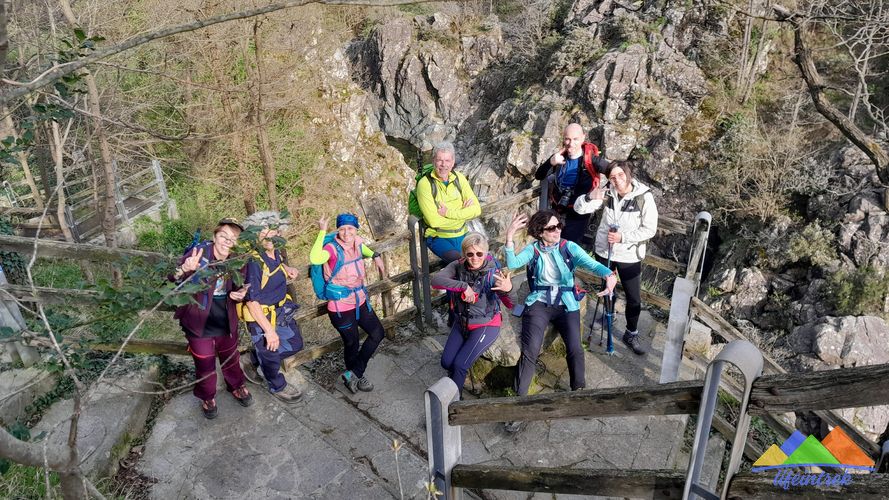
{"type": "Point", "coordinates": [461, 352]}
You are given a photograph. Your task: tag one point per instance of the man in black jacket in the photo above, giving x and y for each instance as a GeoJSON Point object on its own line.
{"type": "Point", "coordinates": [575, 169]}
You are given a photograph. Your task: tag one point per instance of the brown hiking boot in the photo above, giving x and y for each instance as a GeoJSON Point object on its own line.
{"type": "Point", "coordinates": [289, 394]}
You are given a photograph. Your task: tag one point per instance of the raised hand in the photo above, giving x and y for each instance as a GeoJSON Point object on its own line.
{"type": "Point", "coordinates": [519, 221]}
{"type": "Point", "coordinates": [502, 281]}
{"type": "Point", "coordinates": [597, 194]}
{"type": "Point", "coordinates": [322, 224]}
{"type": "Point", "coordinates": [193, 261]}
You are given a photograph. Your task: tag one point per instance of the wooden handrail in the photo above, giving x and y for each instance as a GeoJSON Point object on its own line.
{"type": "Point", "coordinates": [641, 483]}
{"type": "Point", "coordinates": [823, 390]}
{"type": "Point", "coordinates": [74, 251]}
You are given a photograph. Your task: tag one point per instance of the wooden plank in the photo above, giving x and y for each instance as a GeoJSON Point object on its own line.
{"type": "Point", "coordinates": [46, 295]}
{"type": "Point", "coordinates": [377, 287]}
{"type": "Point", "coordinates": [512, 201]}
{"type": "Point", "coordinates": [74, 251]}
{"type": "Point", "coordinates": [135, 346]}
{"type": "Point", "coordinates": [676, 398]}
{"type": "Point", "coordinates": [675, 226]}
{"type": "Point", "coordinates": [750, 486]}
{"type": "Point", "coordinates": [639, 483]}
{"type": "Point", "coordinates": [751, 450]}
{"type": "Point", "coordinates": [647, 297]}
{"type": "Point", "coordinates": [26, 211]}
{"type": "Point", "coordinates": [664, 264]}
{"type": "Point", "coordinates": [822, 390]}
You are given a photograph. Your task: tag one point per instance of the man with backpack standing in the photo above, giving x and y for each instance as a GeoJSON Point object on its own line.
{"type": "Point", "coordinates": [575, 167]}
{"type": "Point", "coordinates": [446, 202]}
{"type": "Point", "coordinates": [554, 298]}
{"type": "Point", "coordinates": [338, 276]}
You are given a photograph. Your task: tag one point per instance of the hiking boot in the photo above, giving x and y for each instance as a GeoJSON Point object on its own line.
{"type": "Point", "coordinates": [209, 409]}
{"type": "Point", "coordinates": [289, 394]}
{"type": "Point", "coordinates": [244, 397]}
{"type": "Point", "coordinates": [365, 385]}
{"type": "Point", "coordinates": [632, 341]}
{"type": "Point", "coordinates": [350, 381]}
{"type": "Point", "coordinates": [514, 426]}
{"type": "Point", "coordinates": [251, 370]}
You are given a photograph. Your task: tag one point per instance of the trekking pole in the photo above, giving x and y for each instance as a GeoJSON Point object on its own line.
{"type": "Point", "coordinates": [609, 299]}
{"type": "Point", "coordinates": [589, 335]}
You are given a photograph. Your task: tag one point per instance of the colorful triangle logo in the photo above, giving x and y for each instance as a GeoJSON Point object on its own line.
{"type": "Point", "coordinates": [841, 446]}
{"type": "Point", "coordinates": [811, 452]}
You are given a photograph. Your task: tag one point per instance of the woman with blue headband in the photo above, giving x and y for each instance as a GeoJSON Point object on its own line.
{"type": "Point", "coordinates": [342, 256]}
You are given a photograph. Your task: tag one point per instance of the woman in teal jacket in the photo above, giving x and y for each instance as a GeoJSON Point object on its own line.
{"type": "Point", "coordinates": [554, 298]}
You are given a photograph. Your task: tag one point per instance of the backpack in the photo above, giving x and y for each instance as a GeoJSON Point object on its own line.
{"type": "Point", "coordinates": [413, 204]}
{"type": "Point", "coordinates": [589, 151]}
{"type": "Point", "coordinates": [531, 270]}
{"type": "Point", "coordinates": [326, 289]}
{"type": "Point", "coordinates": [460, 309]}
{"type": "Point", "coordinates": [241, 307]}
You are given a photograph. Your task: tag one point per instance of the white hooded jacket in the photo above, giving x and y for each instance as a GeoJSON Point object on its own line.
{"type": "Point", "coordinates": [635, 215]}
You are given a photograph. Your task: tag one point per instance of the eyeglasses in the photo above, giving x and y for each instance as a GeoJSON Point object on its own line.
{"type": "Point", "coordinates": [556, 227]}
{"type": "Point", "coordinates": [476, 254]}
{"type": "Point", "coordinates": [227, 239]}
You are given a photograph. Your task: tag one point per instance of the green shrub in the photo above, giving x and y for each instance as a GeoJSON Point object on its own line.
{"type": "Point", "coordinates": [170, 236]}
{"type": "Point", "coordinates": [858, 292]}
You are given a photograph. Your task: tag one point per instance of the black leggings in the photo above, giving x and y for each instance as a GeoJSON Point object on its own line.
{"type": "Point", "coordinates": [345, 323]}
{"type": "Point", "coordinates": [631, 279]}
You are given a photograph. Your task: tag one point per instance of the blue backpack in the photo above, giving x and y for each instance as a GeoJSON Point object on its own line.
{"type": "Point", "coordinates": [531, 270]}
{"type": "Point", "coordinates": [325, 289]}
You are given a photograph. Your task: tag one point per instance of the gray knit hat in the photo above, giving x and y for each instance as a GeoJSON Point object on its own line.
{"type": "Point", "coordinates": [267, 219]}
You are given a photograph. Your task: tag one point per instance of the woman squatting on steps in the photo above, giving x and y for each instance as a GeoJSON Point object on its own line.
{"type": "Point", "coordinates": [478, 286]}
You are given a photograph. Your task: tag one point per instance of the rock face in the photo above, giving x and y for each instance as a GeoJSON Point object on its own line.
{"type": "Point", "coordinates": [836, 342]}
{"type": "Point", "coordinates": [113, 416]}
{"type": "Point", "coordinates": [627, 81]}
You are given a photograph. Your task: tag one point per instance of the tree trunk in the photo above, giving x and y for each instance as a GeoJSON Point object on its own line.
{"type": "Point", "coordinates": [109, 200]}
{"type": "Point", "coordinates": [262, 138]}
{"type": "Point", "coordinates": [22, 157]}
{"type": "Point", "coordinates": [56, 147]}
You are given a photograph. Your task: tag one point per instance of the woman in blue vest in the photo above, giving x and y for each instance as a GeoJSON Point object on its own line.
{"type": "Point", "coordinates": [477, 287]}
{"type": "Point", "coordinates": [553, 299]}
{"type": "Point", "coordinates": [269, 309]}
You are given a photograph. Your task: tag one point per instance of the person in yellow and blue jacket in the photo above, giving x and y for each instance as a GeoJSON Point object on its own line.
{"type": "Point", "coordinates": [447, 202]}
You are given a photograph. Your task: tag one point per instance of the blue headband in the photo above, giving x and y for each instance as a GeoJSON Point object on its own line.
{"type": "Point", "coordinates": [346, 220]}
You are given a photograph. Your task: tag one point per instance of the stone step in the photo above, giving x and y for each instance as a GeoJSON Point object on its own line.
{"type": "Point", "coordinates": [318, 447]}
{"type": "Point", "coordinates": [401, 372]}
{"type": "Point", "coordinates": [112, 417]}
{"type": "Point", "coordinates": [19, 388]}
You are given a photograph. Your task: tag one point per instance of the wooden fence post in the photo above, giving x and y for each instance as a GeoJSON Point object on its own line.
{"type": "Point", "coordinates": [443, 441]}
{"type": "Point", "coordinates": [412, 223]}
{"type": "Point", "coordinates": [386, 297]}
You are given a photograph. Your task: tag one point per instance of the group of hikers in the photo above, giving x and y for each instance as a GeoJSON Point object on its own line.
{"type": "Point", "coordinates": [475, 281]}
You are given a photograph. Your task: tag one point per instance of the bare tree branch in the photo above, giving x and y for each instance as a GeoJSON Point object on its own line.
{"type": "Point", "coordinates": [62, 70]}
{"type": "Point", "coordinates": [816, 86]}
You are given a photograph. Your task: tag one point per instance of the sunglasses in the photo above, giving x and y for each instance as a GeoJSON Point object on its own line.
{"type": "Point", "coordinates": [476, 254]}
{"type": "Point", "coordinates": [557, 227]}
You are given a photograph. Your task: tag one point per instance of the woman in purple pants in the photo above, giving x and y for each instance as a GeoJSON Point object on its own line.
{"type": "Point", "coordinates": [478, 287]}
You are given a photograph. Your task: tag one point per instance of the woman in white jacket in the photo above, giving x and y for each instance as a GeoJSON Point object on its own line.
{"type": "Point", "coordinates": [629, 220]}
